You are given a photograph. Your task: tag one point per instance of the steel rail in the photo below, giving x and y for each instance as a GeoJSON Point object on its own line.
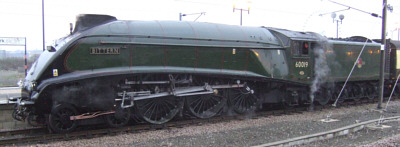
{"type": "Point", "coordinates": [5, 133]}
{"type": "Point", "coordinates": [325, 135]}
{"type": "Point", "coordinates": [20, 136]}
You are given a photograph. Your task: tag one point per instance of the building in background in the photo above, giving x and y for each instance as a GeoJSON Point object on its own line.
{"type": "Point", "coordinates": [19, 54]}
{"type": "Point", "coordinates": [3, 54]}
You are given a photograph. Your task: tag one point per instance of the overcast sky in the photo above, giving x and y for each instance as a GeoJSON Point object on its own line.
{"type": "Point", "coordinates": [23, 18]}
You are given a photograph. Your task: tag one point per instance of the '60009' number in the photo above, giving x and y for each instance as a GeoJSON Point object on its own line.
{"type": "Point", "coordinates": [300, 64]}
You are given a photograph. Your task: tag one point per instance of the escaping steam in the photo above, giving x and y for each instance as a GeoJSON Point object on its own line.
{"type": "Point", "coordinates": [321, 68]}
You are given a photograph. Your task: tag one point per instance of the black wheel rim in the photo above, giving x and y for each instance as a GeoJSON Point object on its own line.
{"type": "Point", "coordinates": [338, 100]}
{"type": "Point", "coordinates": [356, 92]}
{"type": "Point", "coordinates": [208, 105]}
{"type": "Point", "coordinates": [158, 110]}
{"type": "Point", "coordinates": [120, 118]}
{"type": "Point", "coordinates": [60, 121]}
{"type": "Point", "coordinates": [243, 100]}
{"type": "Point", "coordinates": [324, 97]}
{"type": "Point", "coordinates": [205, 106]}
{"type": "Point", "coordinates": [16, 116]}
{"type": "Point", "coordinates": [342, 96]}
{"type": "Point", "coordinates": [370, 92]}
{"type": "Point", "coordinates": [36, 120]}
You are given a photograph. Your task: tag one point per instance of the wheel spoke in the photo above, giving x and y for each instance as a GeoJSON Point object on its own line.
{"type": "Point", "coordinates": [205, 106]}
{"type": "Point", "coordinates": [158, 110]}
{"type": "Point", "coordinates": [148, 108]}
{"type": "Point", "coordinates": [59, 119]}
{"type": "Point", "coordinates": [242, 100]}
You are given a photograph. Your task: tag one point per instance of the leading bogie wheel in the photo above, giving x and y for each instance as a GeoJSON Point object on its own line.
{"type": "Point", "coordinates": [35, 120]}
{"type": "Point", "coordinates": [120, 118]}
{"type": "Point", "coordinates": [59, 118]}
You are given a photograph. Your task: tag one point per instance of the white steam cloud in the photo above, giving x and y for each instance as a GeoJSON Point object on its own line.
{"type": "Point", "coordinates": [321, 68]}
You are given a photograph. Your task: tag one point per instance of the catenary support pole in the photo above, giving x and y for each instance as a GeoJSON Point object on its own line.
{"type": "Point", "coordinates": [383, 46]}
{"type": "Point", "coordinates": [26, 60]}
{"type": "Point", "coordinates": [44, 46]}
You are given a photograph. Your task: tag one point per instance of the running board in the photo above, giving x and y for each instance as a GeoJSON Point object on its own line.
{"type": "Point", "coordinates": [179, 92]}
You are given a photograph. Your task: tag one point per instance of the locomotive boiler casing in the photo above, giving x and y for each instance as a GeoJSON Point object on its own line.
{"type": "Point", "coordinates": [86, 68]}
{"type": "Point", "coordinates": [112, 68]}
{"type": "Point", "coordinates": [84, 65]}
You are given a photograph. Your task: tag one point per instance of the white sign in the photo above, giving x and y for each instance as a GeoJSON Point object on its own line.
{"type": "Point", "coordinates": [12, 41]}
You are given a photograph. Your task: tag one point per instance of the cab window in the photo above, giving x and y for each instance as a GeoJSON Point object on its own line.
{"type": "Point", "coordinates": [304, 48]}
{"type": "Point", "coordinates": [301, 48]}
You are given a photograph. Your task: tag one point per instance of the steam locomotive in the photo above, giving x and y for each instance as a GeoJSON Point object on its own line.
{"type": "Point", "coordinates": [115, 70]}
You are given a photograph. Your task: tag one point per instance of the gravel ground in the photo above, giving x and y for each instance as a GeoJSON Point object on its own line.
{"type": "Point", "coordinates": [389, 141]}
{"type": "Point", "coordinates": [261, 130]}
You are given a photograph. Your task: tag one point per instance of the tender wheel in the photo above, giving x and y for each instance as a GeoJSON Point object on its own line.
{"type": "Point", "coordinates": [286, 104]}
{"type": "Point", "coordinates": [243, 100]}
{"type": "Point", "coordinates": [336, 94]}
{"type": "Point", "coordinates": [324, 97]}
{"type": "Point", "coordinates": [59, 119]}
{"type": "Point", "coordinates": [371, 92]}
{"type": "Point", "coordinates": [357, 92]}
{"type": "Point", "coordinates": [159, 110]}
{"type": "Point", "coordinates": [119, 118]}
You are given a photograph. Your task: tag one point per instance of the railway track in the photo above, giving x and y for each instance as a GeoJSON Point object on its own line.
{"type": "Point", "coordinates": [327, 134]}
{"type": "Point", "coordinates": [42, 135]}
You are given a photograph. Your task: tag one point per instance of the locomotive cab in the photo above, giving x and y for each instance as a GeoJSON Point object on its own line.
{"type": "Point", "coordinates": [302, 61]}
{"type": "Point", "coordinates": [300, 47]}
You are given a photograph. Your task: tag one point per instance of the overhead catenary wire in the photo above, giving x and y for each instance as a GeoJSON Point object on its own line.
{"type": "Point", "coordinates": [349, 7]}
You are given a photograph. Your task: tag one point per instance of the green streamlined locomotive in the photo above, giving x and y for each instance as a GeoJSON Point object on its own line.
{"type": "Point", "coordinates": [111, 71]}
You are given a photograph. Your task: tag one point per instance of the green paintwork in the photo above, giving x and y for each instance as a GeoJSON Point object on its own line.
{"type": "Point", "coordinates": [216, 48]}
{"type": "Point", "coordinates": [344, 56]}
{"type": "Point", "coordinates": [339, 61]}
{"type": "Point", "coordinates": [132, 56]}
{"type": "Point", "coordinates": [176, 44]}
{"type": "Point", "coordinates": [80, 58]}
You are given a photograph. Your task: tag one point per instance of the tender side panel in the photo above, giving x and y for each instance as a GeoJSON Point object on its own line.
{"type": "Point", "coordinates": [344, 56]}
